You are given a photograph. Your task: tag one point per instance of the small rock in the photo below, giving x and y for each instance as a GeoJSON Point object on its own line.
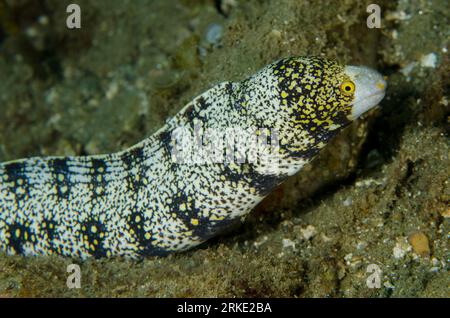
{"type": "Point", "coordinates": [261, 242]}
{"type": "Point", "coordinates": [308, 232]}
{"type": "Point", "coordinates": [347, 202]}
{"type": "Point", "coordinates": [276, 33]}
{"type": "Point", "coordinates": [401, 248]}
{"type": "Point", "coordinates": [397, 16]}
{"type": "Point", "coordinates": [419, 243]}
{"type": "Point", "coordinates": [43, 20]}
{"type": "Point", "coordinates": [407, 69]}
{"type": "Point", "coordinates": [361, 245]}
{"type": "Point", "coordinates": [374, 158]}
{"type": "Point", "coordinates": [446, 213]}
{"type": "Point", "coordinates": [348, 258]}
{"type": "Point", "coordinates": [429, 60]}
{"type": "Point", "coordinates": [388, 284]}
{"type": "Point", "coordinates": [214, 34]}
{"type": "Point", "coordinates": [227, 5]}
{"type": "Point", "coordinates": [288, 243]}
{"type": "Point", "coordinates": [325, 238]}
{"type": "Point", "coordinates": [112, 90]}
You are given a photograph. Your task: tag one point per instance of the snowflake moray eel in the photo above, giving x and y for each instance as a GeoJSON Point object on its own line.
{"type": "Point", "coordinates": [146, 201]}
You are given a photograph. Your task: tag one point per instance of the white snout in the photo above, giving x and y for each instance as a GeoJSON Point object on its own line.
{"type": "Point", "coordinates": [370, 88]}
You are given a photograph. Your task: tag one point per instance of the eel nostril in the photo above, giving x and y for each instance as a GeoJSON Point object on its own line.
{"type": "Point", "coordinates": [381, 85]}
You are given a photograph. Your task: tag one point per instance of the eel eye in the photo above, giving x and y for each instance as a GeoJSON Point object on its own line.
{"type": "Point", "coordinates": [347, 87]}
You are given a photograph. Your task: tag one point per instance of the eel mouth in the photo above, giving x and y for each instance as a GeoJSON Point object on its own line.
{"type": "Point", "coordinates": [372, 99]}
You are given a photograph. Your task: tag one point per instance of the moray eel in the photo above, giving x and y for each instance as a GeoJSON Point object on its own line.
{"type": "Point", "coordinates": [204, 169]}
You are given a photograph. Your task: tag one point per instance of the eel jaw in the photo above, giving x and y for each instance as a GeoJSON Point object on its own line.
{"type": "Point", "coordinates": [370, 88]}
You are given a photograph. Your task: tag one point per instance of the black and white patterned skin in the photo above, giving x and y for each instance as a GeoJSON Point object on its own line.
{"type": "Point", "coordinates": [148, 200]}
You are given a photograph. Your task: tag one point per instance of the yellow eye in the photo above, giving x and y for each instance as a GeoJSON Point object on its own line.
{"type": "Point", "coordinates": [347, 87]}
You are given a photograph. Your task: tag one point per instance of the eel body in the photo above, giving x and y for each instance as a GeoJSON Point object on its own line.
{"type": "Point", "coordinates": [205, 168]}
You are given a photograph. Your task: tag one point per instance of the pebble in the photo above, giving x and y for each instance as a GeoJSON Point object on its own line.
{"type": "Point", "coordinates": [401, 248]}
{"type": "Point", "coordinates": [112, 90]}
{"type": "Point", "coordinates": [429, 60]}
{"type": "Point", "coordinates": [308, 232]}
{"type": "Point", "coordinates": [276, 33]}
{"type": "Point", "coordinates": [227, 5]}
{"type": "Point", "coordinates": [446, 213]}
{"type": "Point", "coordinates": [288, 243]}
{"type": "Point", "coordinates": [347, 202]}
{"type": "Point", "coordinates": [397, 16]}
{"type": "Point", "coordinates": [419, 243]}
{"type": "Point", "coordinates": [214, 34]}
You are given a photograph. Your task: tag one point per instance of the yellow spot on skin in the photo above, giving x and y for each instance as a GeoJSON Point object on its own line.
{"type": "Point", "coordinates": [17, 232]}
{"type": "Point", "coordinates": [289, 72]}
{"type": "Point", "coordinates": [25, 235]}
{"type": "Point", "coordinates": [101, 169]}
{"type": "Point", "coordinates": [216, 218]}
{"type": "Point", "coordinates": [194, 222]}
{"type": "Point", "coordinates": [284, 94]}
{"type": "Point", "coordinates": [93, 229]}
{"type": "Point", "coordinates": [61, 177]}
{"type": "Point", "coordinates": [138, 218]}
{"type": "Point", "coordinates": [147, 236]}
{"type": "Point", "coordinates": [95, 242]}
{"type": "Point", "coordinates": [183, 207]}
